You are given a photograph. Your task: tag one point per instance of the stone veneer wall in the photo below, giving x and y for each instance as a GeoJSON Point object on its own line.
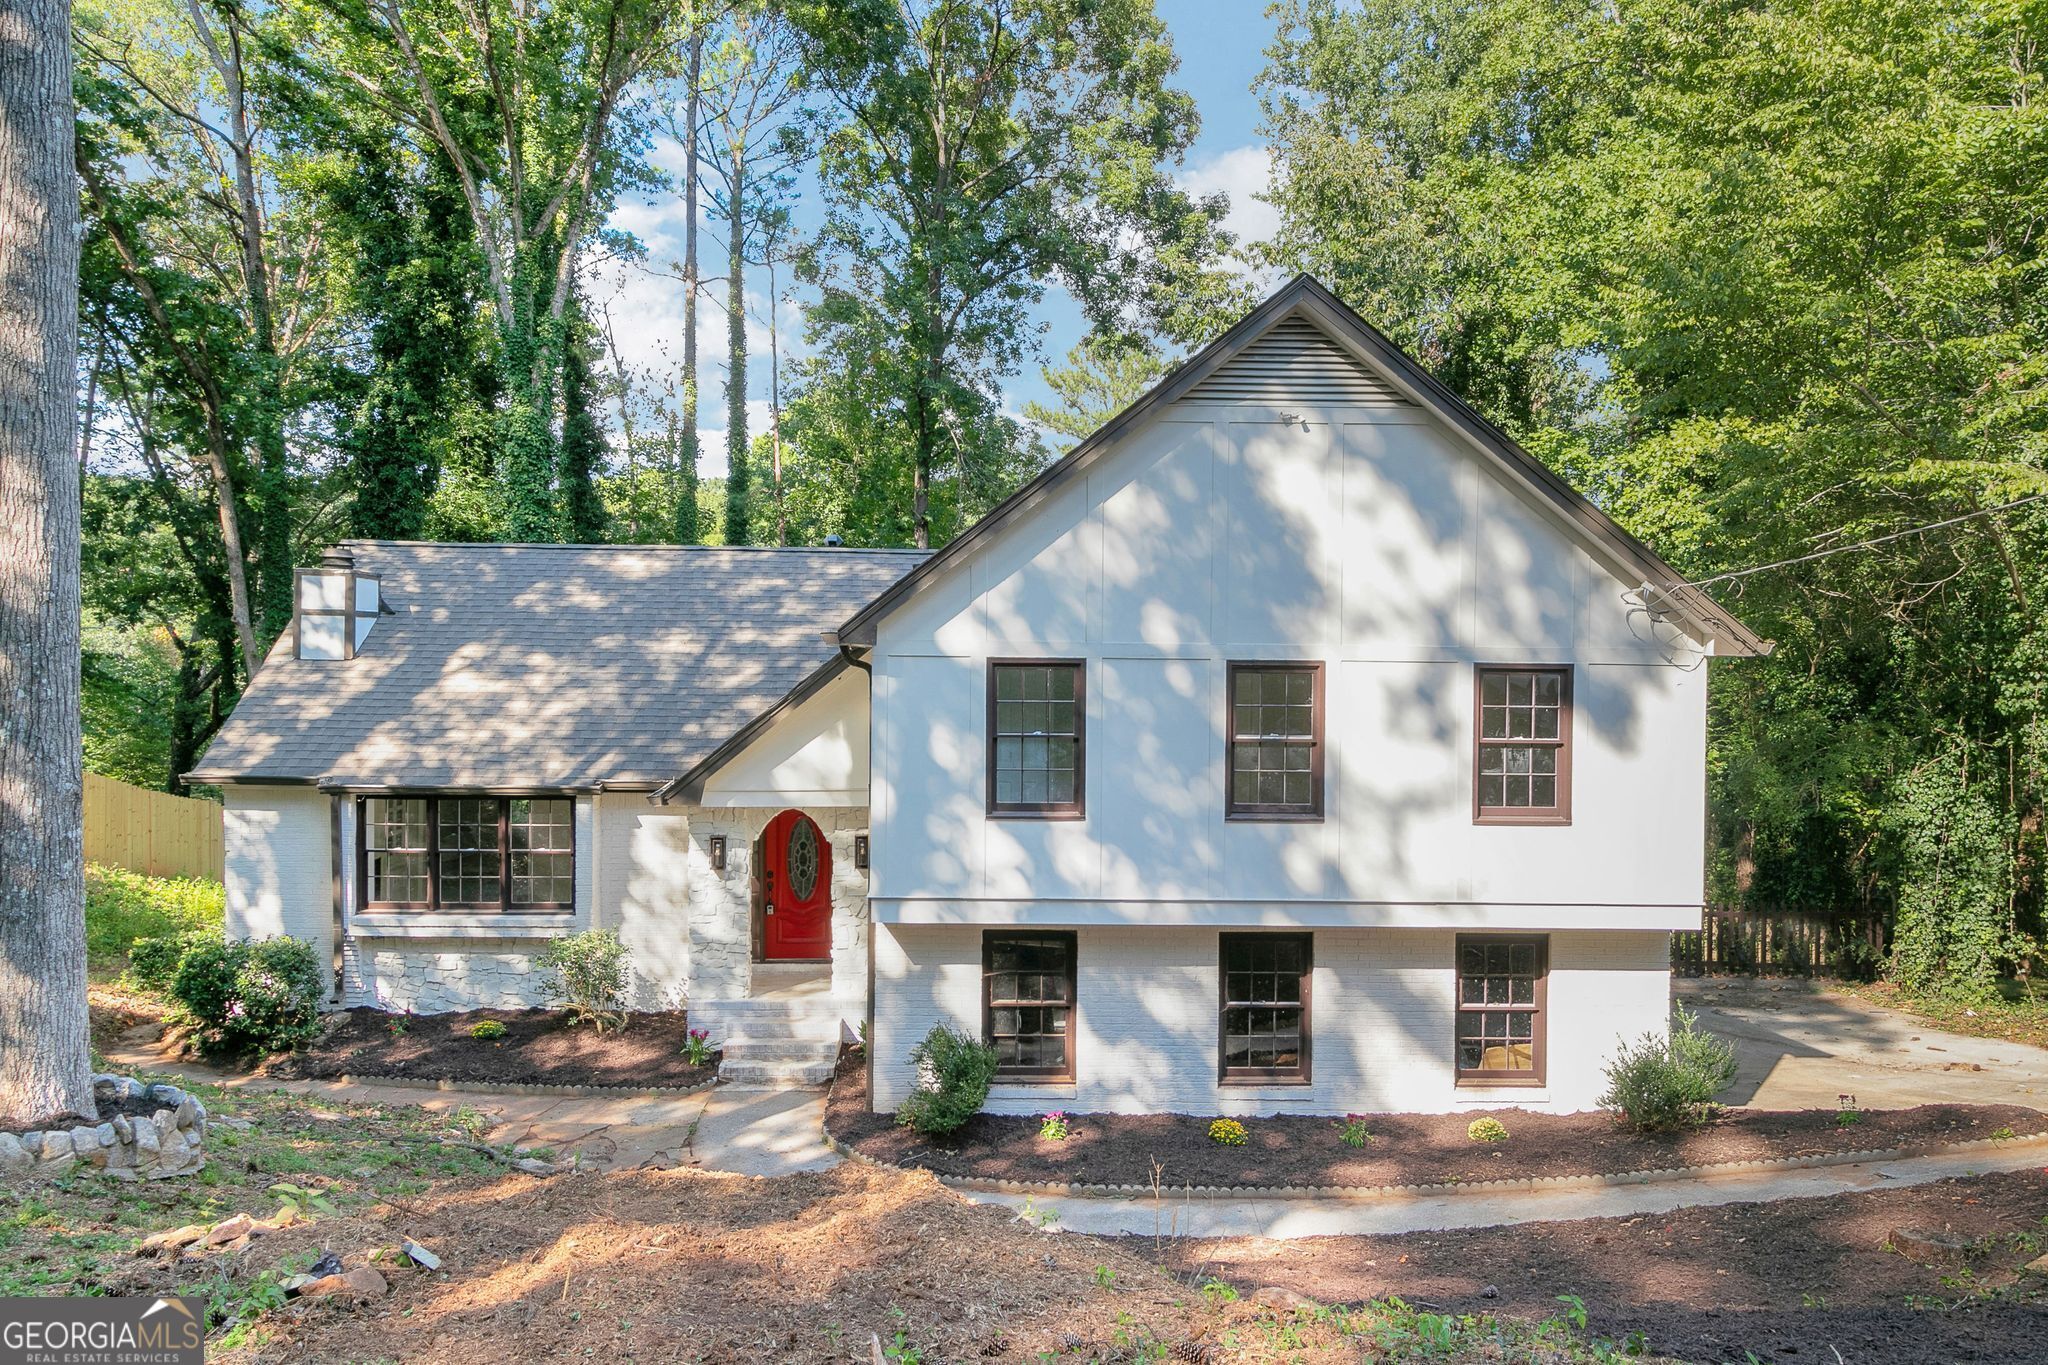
{"type": "Point", "coordinates": [721, 906]}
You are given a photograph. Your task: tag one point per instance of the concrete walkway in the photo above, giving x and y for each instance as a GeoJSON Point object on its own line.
{"type": "Point", "coordinates": [1290, 1218]}
{"type": "Point", "coordinates": [1801, 1046]}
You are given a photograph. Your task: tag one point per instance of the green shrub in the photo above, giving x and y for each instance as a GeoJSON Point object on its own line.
{"type": "Point", "coordinates": [954, 1071]}
{"type": "Point", "coordinates": [122, 907]}
{"type": "Point", "coordinates": [1668, 1081]}
{"type": "Point", "coordinates": [1487, 1130]}
{"type": "Point", "coordinates": [153, 962]}
{"type": "Point", "coordinates": [487, 1028]}
{"type": "Point", "coordinates": [586, 974]}
{"type": "Point", "coordinates": [256, 995]}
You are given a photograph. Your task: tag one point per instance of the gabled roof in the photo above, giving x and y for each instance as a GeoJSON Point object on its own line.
{"type": "Point", "coordinates": [1304, 298]}
{"type": "Point", "coordinates": [555, 666]}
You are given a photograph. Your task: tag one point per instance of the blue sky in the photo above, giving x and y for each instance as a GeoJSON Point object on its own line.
{"type": "Point", "coordinates": [1221, 47]}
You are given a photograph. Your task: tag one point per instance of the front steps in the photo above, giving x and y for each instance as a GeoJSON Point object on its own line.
{"type": "Point", "coordinates": [781, 1044]}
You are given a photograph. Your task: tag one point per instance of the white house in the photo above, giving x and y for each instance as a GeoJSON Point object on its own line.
{"type": "Point", "coordinates": [1296, 743]}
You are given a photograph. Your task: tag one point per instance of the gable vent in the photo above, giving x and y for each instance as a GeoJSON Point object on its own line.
{"type": "Point", "coordinates": [1295, 362]}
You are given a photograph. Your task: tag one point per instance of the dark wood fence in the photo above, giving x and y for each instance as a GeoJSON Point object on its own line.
{"type": "Point", "coordinates": [1744, 942]}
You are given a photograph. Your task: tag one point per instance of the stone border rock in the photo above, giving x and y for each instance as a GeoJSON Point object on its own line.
{"type": "Point", "coordinates": [169, 1143]}
{"type": "Point", "coordinates": [668, 1092]}
{"type": "Point", "coordinates": [1524, 1185]}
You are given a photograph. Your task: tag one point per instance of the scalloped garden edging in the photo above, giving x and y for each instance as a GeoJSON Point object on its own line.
{"type": "Point", "coordinates": [515, 1087]}
{"type": "Point", "coordinates": [1516, 1185]}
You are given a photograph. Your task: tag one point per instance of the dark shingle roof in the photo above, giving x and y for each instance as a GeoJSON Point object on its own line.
{"type": "Point", "coordinates": [547, 665]}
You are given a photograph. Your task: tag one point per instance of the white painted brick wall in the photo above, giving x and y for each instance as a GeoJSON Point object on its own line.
{"type": "Point", "coordinates": [642, 890]}
{"type": "Point", "coordinates": [1146, 1026]}
{"type": "Point", "coordinates": [278, 869]}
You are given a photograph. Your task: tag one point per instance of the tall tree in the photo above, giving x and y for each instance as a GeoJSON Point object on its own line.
{"type": "Point", "coordinates": [1767, 279]}
{"type": "Point", "coordinates": [686, 528]}
{"type": "Point", "coordinates": [45, 1063]}
{"type": "Point", "coordinates": [1102, 377]}
{"type": "Point", "coordinates": [985, 149]}
{"type": "Point", "coordinates": [582, 450]}
{"type": "Point", "coordinates": [524, 101]}
{"type": "Point", "coordinates": [757, 75]}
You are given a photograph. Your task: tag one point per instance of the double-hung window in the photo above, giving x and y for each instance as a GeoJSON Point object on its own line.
{"type": "Point", "coordinates": [471, 853]}
{"type": "Point", "coordinates": [1037, 737]}
{"type": "Point", "coordinates": [1027, 984]}
{"type": "Point", "coordinates": [1522, 767]}
{"type": "Point", "coordinates": [1264, 1008]}
{"type": "Point", "coordinates": [1501, 996]}
{"type": "Point", "coordinates": [1275, 725]}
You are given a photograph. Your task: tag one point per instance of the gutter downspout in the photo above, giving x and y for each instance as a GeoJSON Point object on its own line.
{"type": "Point", "coordinates": [867, 1039]}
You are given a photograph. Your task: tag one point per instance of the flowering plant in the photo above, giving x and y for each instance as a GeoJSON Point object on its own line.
{"type": "Point", "coordinates": [697, 1047]}
{"type": "Point", "coordinates": [1228, 1132]}
{"type": "Point", "coordinates": [487, 1028]}
{"type": "Point", "coordinates": [1352, 1131]}
{"type": "Point", "coordinates": [1053, 1126]}
{"type": "Point", "coordinates": [1487, 1130]}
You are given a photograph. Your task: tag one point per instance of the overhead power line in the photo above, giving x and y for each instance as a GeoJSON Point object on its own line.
{"type": "Point", "coordinates": [1863, 544]}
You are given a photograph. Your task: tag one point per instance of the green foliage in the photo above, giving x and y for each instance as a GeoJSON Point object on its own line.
{"type": "Point", "coordinates": [1762, 279]}
{"type": "Point", "coordinates": [128, 915]}
{"type": "Point", "coordinates": [581, 457]}
{"type": "Point", "coordinates": [1957, 844]}
{"type": "Point", "coordinates": [586, 974]}
{"type": "Point", "coordinates": [1353, 1132]}
{"type": "Point", "coordinates": [253, 995]}
{"type": "Point", "coordinates": [953, 1074]}
{"type": "Point", "coordinates": [487, 1029]}
{"type": "Point", "coordinates": [1042, 137]}
{"type": "Point", "coordinates": [1053, 1127]}
{"type": "Point", "coordinates": [1101, 378]}
{"type": "Point", "coordinates": [1487, 1130]}
{"type": "Point", "coordinates": [1667, 1081]}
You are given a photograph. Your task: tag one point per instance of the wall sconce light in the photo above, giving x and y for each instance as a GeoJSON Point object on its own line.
{"type": "Point", "coordinates": [860, 851]}
{"type": "Point", "coordinates": [718, 853]}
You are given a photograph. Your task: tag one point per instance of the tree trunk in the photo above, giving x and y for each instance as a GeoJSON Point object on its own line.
{"type": "Point", "coordinates": [686, 527]}
{"type": "Point", "coordinates": [738, 481]}
{"type": "Point", "coordinates": [775, 406]}
{"type": "Point", "coordinates": [45, 1064]}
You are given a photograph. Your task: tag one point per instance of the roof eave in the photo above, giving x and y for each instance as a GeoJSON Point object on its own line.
{"type": "Point", "coordinates": [689, 786]}
{"type": "Point", "coordinates": [1700, 614]}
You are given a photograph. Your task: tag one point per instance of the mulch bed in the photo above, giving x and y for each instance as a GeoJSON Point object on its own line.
{"type": "Point", "coordinates": [1796, 1280]}
{"type": "Point", "coordinates": [1407, 1149]}
{"type": "Point", "coordinates": [540, 1047]}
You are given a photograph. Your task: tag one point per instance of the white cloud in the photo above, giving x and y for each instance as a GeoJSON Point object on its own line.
{"type": "Point", "coordinates": [1242, 173]}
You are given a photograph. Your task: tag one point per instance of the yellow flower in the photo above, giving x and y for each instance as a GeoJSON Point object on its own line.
{"type": "Point", "coordinates": [1229, 1132]}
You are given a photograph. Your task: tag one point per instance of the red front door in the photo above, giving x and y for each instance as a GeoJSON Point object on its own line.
{"type": "Point", "coordinates": [796, 892]}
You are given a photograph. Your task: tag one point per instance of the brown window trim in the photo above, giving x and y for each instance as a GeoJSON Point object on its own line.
{"type": "Point", "coordinates": [433, 902]}
{"type": "Point", "coordinates": [1539, 1032]}
{"type": "Point", "coordinates": [1561, 813]}
{"type": "Point", "coordinates": [1077, 809]}
{"type": "Point", "coordinates": [1279, 814]}
{"type": "Point", "coordinates": [1032, 1075]}
{"type": "Point", "coordinates": [1227, 1075]}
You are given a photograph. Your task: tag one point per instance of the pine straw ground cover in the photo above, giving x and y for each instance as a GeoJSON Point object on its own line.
{"type": "Point", "coordinates": [674, 1265]}
{"type": "Point", "coordinates": [1405, 1149]}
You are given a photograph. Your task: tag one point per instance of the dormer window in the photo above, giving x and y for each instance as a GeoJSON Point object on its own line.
{"type": "Point", "coordinates": [333, 608]}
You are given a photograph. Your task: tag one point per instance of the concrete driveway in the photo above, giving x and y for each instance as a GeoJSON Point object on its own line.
{"type": "Point", "coordinates": [1802, 1046]}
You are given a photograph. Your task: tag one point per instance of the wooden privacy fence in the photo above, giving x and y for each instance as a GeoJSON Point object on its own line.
{"type": "Point", "coordinates": [1782, 943]}
{"type": "Point", "coordinates": [152, 832]}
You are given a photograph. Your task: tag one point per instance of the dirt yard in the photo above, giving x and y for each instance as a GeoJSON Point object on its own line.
{"type": "Point", "coordinates": [1403, 1149]}
{"type": "Point", "coordinates": [1801, 1280]}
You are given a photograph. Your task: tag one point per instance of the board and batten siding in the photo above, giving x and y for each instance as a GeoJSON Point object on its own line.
{"type": "Point", "coordinates": [1368, 537]}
